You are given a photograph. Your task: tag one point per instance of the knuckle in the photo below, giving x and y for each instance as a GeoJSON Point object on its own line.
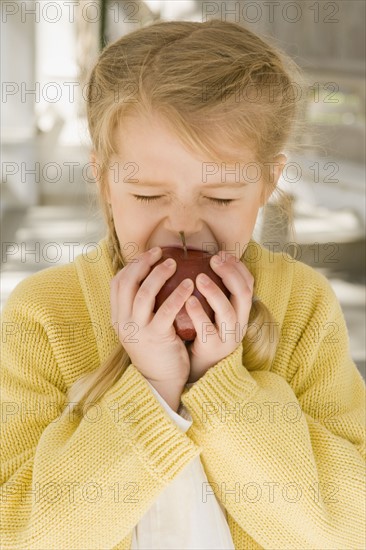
{"type": "Point", "coordinates": [122, 273]}
{"type": "Point", "coordinates": [215, 291]}
{"type": "Point", "coordinates": [228, 310]}
{"type": "Point", "coordinates": [114, 283]}
{"type": "Point", "coordinates": [158, 269]}
{"type": "Point", "coordinates": [168, 306]}
{"type": "Point", "coordinates": [181, 292]}
{"type": "Point", "coordinates": [230, 314]}
{"type": "Point", "coordinates": [175, 300]}
{"type": "Point", "coordinates": [143, 293]}
{"type": "Point", "coordinates": [163, 267]}
{"type": "Point", "coordinates": [247, 292]}
{"type": "Point", "coordinates": [143, 258]}
{"type": "Point", "coordinates": [166, 268]}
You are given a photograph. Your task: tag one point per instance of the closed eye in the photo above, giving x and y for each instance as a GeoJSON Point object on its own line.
{"type": "Point", "coordinates": [221, 202]}
{"type": "Point", "coordinates": [146, 199]}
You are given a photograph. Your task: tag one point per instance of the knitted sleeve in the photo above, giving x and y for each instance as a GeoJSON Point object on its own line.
{"type": "Point", "coordinates": [286, 454]}
{"type": "Point", "coordinates": [68, 482]}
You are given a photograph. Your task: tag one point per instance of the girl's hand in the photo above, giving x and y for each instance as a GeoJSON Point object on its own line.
{"type": "Point", "coordinates": [150, 339]}
{"type": "Point", "coordinates": [216, 341]}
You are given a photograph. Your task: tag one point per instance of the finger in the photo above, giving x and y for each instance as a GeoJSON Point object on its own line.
{"type": "Point", "coordinates": [241, 267]}
{"type": "Point", "coordinates": [129, 278]}
{"type": "Point", "coordinates": [237, 279]}
{"type": "Point", "coordinates": [201, 322]}
{"type": "Point", "coordinates": [224, 309]}
{"type": "Point", "coordinates": [113, 299]}
{"type": "Point", "coordinates": [167, 312]}
{"type": "Point", "coordinates": [244, 270]}
{"type": "Point", "coordinates": [228, 312]}
{"type": "Point", "coordinates": [143, 305]}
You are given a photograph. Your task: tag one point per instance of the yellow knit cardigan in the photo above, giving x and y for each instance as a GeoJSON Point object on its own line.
{"type": "Point", "coordinates": [283, 447]}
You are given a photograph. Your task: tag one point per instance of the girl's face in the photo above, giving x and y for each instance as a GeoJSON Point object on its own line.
{"type": "Point", "coordinates": [183, 193]}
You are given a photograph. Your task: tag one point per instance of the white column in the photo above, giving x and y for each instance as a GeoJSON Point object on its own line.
{"type": "Point", "coordinates": [19, 95]}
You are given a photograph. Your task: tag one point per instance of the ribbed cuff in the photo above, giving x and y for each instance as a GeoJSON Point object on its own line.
{"type": "Point", "coordinates": [179, 420]}
{"type": "Point", "coordinates": [147, 426]}
{"type": "Point", "coordinates": [219, 389]}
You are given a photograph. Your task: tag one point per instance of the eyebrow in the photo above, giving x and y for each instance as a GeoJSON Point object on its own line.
{"type": "Point", "coordinates": [213, 186]}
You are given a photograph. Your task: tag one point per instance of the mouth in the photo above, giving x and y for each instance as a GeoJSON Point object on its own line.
{"type": "Point", "coordinates": [189, 247]}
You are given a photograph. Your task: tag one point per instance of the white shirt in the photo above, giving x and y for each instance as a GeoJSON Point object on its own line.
{"type": "Point", "coordinates": [184, 516]}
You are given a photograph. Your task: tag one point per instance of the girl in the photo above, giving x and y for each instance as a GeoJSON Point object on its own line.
{"type": "Point", "coordinates": [117, 434]}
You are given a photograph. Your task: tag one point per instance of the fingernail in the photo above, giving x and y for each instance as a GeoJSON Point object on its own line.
{"type": "Point", "coordinates": [217, 260]}
{"type": "Point", "coordinates": [154, 250]}
{"type": "Point", "coordinates": [169, 262]}
{"type": "Point", "coordinates": [187, 283]}
{"type": "Point", "coordinates": [203, 279]}
{"type": "Point", "coordinates": [192, 301]}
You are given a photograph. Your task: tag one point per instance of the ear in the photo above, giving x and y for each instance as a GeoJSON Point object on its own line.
{"type": "Point", "coordinates": [275, 170]}
{"type": "Point", "coordinates": [97, 176]}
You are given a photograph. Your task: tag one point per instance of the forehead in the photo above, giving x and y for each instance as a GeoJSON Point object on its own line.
{"type": "Point", "coordinates": [148, 140]}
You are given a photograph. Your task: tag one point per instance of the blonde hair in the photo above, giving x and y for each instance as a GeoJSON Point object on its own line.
{"type": "Point", "coordinates": [194, 75]}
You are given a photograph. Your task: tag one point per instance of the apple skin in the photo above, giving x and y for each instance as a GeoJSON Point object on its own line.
{"type": "Point", "coordinates": [197, 261]}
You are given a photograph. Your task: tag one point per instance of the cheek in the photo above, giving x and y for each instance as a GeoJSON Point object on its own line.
{"type": "Point", "coordinates": [134, 226]}
{"type": "Point", "coordinates": [252, 206]}
{"type": "Point", "coordinates": [242, 224]}
{"type": "Point", "coordinates": [245, 216]}
{"type": "Point", "coordinates": [124, 209]}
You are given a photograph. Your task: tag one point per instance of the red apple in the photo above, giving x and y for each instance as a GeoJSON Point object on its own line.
{"type": "Point", "coordinates": [196, 261]}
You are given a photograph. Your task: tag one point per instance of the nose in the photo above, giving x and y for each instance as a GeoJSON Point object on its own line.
{"type": "Point", "coordinates": [183, 217]}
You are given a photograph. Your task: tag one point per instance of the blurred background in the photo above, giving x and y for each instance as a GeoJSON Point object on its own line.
{"type": "Point", "coordinates": [48, 212]}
